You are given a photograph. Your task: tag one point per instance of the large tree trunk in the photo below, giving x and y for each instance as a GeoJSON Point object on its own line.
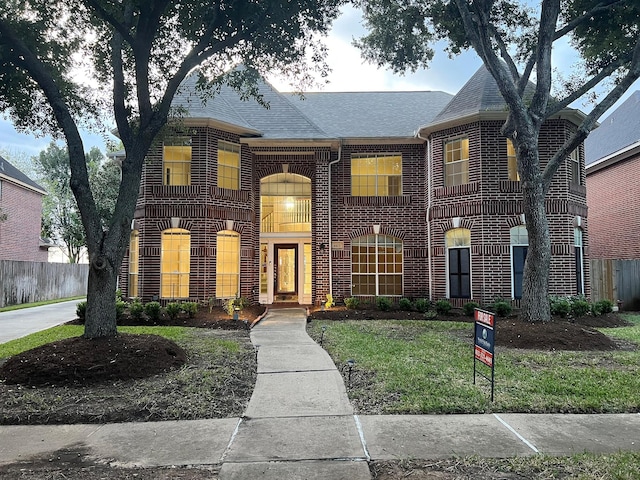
{"type": "Point", "coordinates": [535, 282]}
{"type": "Point", "coordinates": [101, 295]}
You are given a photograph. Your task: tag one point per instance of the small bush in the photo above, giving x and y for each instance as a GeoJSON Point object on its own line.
{"type": "Point", "coordinates": [81, 311]}
{"type": "Point", "coordinates": [405, 304]}
{"type": "Point", "coordinates": [560, 306]}
{"type": "Point", "coordinates": [119, 295]}
{"type": "Point", "coordinates": [121, 306]}
{"type": "Point", "coordinates": [136, 309]}
{"type": "Point", "coordinates": [422, 305]}
{"type": "Point", "coordinates": [501, 307]}
{"type": "Point", "coordinates": [190, 308]}
{"type": "Point", "coordinates": [443, 307]}
{"type": "Point", "coordinates": [173, 310]}
{"type": "Point", "coordinates": [469, 308]}
{"type": "Point", "coordinates": [579, 308]}
{"type": "Point", "coordinates": [383, 304]}
{"type": "Point", "coordinates": [352, 302]}
{"type": "Point", "coordinates": [605, 306]}
{"type": "Point", "coordinates": [153, 310]}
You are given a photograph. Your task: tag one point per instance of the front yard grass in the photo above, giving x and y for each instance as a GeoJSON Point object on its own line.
{"type": "Point", "coordinates": [423, 367]}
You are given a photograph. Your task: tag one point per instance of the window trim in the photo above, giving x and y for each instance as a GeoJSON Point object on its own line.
{"type": "Point", "coordinates": [236, 235]}
{"type": "Point", "coordinates": [377, 274]}
{"type": "Point", "coordinates": [512, 246]}
{"type": "Point", "coordinates": [512, 162]}
{"type": "Point", "coordinates": [228, 147]}
{"type": "Point", "coordinates": [578, 247]}
{"type": "Point", "coordinates": [461, 242]}
{"type": "Point", "coordinates": [575, 169]}
{"type": "Point", "coordinates": [181, 275]}
{"type": "Point", "coordinates": [134, 239]}
{"type": "Point", "coordinates": [167, 177]}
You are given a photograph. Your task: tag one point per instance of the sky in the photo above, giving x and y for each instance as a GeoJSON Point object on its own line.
{"type": "Point", "coordinates": [349, 73]}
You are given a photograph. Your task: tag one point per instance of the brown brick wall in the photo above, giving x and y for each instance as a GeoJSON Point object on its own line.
{"type": "Point", "coordinates": [20, 232]}
{"type": "Point", "coordinates": [614, 211]}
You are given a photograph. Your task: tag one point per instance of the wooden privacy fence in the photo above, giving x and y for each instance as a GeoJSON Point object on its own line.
{"type": "Point", "coordinates": [25, 282]}
{"type": "Point", "coordinates": [616, 280]}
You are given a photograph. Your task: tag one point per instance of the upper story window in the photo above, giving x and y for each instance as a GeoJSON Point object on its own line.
{"type": "Point", "coordinates": [456, 162]}
{"type": "Point", "coordinates": [176, 162]}
{"type": "Point", "coordinates": [574, 160]}
{"type": "Point", "coordinates": [228, 165]}
{"type": "Point", "coordinates": [376, 175]}
{"type": "Point", "coordinates": [512, 163]}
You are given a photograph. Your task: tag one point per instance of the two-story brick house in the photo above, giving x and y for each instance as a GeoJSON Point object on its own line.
{"type": "Point", "coordinates": [345, 194]}
{"type": "Point", "coordinates": [21, 204]}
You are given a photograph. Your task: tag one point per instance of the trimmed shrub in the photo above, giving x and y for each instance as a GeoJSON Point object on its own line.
{"type": "Point", "coordinates": [121, 306]}
{"type": "Point", "coordinates": [383, 304]}
{"type": "Point", "coordinates": [153, 310]}
{"type": "Point", "coordinates": [81, 311]}
{"type": "Point", "coordinates": [560, 306]}
{"type": "Point", "coordinates": [605, 306]}
{"type": "Point", "coordinates": [422, 305]}
{"type": "Point", "coordinates": [136, 309]}
{"type": "Point", "coordinates": [173, 309]}
{"type": "Point", "coordinates": [190, 308]}
{"type": "Point", "coordinates": [469, 308]}
{"type": "Point", "coordinates": [352, 302]}
{"type": "Point", "coordinates": [405, 304]}
{"type": "Point", "coordinates": [443, 307]}
{"type": "Point", "coordinates": [579, 308]}
{"type": "Point", "coordinates": [501, 307]}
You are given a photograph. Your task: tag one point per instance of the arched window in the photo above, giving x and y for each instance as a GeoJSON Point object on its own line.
{"type": "Point", "coordinates": [133, 263]}
{"type": "Point", "coordinates": [458, 244]}
{"type": "Point", "coordinates": [175, 263]}
{"type": "Point", "coordinates": [579, 259]}
{"type": "Point", "coordinates": [376, 265]}
{"type": "Point", "coordinates": [285, 203]}
{"type": "Point", "coordinates": [227, 264]}
{"type": "Point", "coordinates": [519, 247]}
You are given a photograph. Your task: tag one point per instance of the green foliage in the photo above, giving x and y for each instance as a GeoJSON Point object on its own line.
{"type": "Point", "coordinates": [230, 305]}
{"type": "Point", "coordinates": [121, 306]}
{"type": "Point", "coordinates": [501, 307]}
{"type": "Point", "coordinates": [422, 305]}
{"type": "Point", "coordinates": [405, 304]}
{"type": "Point", "coordinates": [443, 307]}
{"type": "Point", "coordinates": [469, 308]}
{"type": "Point", "coordinates": [560, 306]}
{"type": "Point", "coordinates": [190, 308]}
{"type": "Point", "coordinates": [329, 303]}
{"type": "Point", "coordinates": [136, 309]}
{"type": "Point", "coordinates": [384, 304]}
{"type": "Point", "coordinates": [173, 309]}
{"type": "Point", "coordinates": [580, 308]}
{"type": "Point", "coordinates": [153, 310]}
{"type": "Point", "coordinates": [604, 306]}
{"type": "Point", "coordinates": [81, 311]}
{"type": "Point", "coordinates": [352, 302]}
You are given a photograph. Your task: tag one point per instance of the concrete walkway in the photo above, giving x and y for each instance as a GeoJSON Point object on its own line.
{"type": "Point", "coordinates": [19, 323]}
{"type": "Point", "coordinates": [299, 424]}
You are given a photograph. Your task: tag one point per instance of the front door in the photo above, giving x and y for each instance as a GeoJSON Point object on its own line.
{"type": "Point", "coordinates": [285, 275]}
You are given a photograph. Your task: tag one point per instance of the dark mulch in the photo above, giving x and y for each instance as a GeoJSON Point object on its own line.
{"type": "Point", "coordinates": [559, 334]}
{"type": "Point", "coordinates": [78, 360]}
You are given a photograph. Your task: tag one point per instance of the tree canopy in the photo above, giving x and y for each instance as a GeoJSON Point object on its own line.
{"type": "Point", "coordinates": [515, 40]}
{"type": "Point", "coordinates": [67, 63]}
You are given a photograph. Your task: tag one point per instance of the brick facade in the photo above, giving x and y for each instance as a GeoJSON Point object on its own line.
{"type": "Point", "coordinates": [20, 232]}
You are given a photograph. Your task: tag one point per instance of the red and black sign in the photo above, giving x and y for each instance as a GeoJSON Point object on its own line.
{"type": "Point", "coordinates": [484, 343]}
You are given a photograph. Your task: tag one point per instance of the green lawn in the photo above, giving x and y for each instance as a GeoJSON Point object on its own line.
{"type": "Point", "coordinates": [427, 367]}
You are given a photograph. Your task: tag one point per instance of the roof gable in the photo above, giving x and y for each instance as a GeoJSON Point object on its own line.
{"type": "Point", "coordinates": [7, 170]}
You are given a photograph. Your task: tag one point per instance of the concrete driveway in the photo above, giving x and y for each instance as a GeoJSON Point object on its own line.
{"type": "Point", "coordinates": [19, 323]}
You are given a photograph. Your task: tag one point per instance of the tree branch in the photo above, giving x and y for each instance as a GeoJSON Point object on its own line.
{"type": "Point", "coordinates": [600, 7]}
{"type": "Point", "coordinates": [548, 20]}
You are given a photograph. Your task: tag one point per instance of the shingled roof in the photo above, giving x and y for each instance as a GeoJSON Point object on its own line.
{"type": "Point", "coordinates": [617, 132]}
{"type": "Point", "coordinates": [9, 172]}
{"type": "Point", "coordinates": [321, 115]}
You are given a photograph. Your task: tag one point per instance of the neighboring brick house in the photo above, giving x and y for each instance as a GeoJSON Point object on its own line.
{"type": "Point", "coordinates": [345, 194]}
{"type": "Point", "coordinates": [21, 202]}
{"type": "Point", "coordinates": [613, 162]}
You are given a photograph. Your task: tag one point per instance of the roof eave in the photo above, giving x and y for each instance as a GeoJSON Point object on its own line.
{"type": "Point", "coordinates": [613, 158]}
{"type": "Point", "coordinates": [22, 184]}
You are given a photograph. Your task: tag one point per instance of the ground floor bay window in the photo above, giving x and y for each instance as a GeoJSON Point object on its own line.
{"type": "Point", "coordinates": [227, 264]}
{"type": "Point", "coordinates": [175, 263]}
{"type": "Point", "coordinates": [376, 266]}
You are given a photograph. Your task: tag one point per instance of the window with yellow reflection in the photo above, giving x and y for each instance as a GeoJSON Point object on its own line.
{"type": "Point", "coordinates": [133, 263]}
{"type": "Point", "coordinates": [456, 162]}
{"type": "Point", "coordinates": [228, 165]}
{"type": "Point", "coordinates": [376, 175]}
{"type": "Point", "coordinates": [227, 264]}
{"type": "Point", "coordinates": [175, 263]}
{"type": "Point", "coordinates": [512, 163]}
{"type": "Point", "coordinates": [176, 165]}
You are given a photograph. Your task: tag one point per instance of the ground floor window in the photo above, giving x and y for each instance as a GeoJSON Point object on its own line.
{"type": "Point", "coordinates": [519, 248]}
{"type": "Point", "coordinates": [175, 263]}
{"type": "Point", "coordinates": [227, 264]}
{"type": "Point", "coordinates": [579, 258]}
{"type": "Point", "coordinates": [376, 265]}
{"type": "Point", "coordinates": [308, 259]}
{"type": "Point", "coordinates": [134, 261]}
{"type": "Point", "coordinates": [458, 243]}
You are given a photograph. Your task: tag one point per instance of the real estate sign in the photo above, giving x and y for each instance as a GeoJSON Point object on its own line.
{"type": "Point", "coordinates": [484, 344]}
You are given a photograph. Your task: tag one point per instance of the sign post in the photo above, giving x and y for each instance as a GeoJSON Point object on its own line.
{"type": "Point", "coordinates": [484, 344]}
